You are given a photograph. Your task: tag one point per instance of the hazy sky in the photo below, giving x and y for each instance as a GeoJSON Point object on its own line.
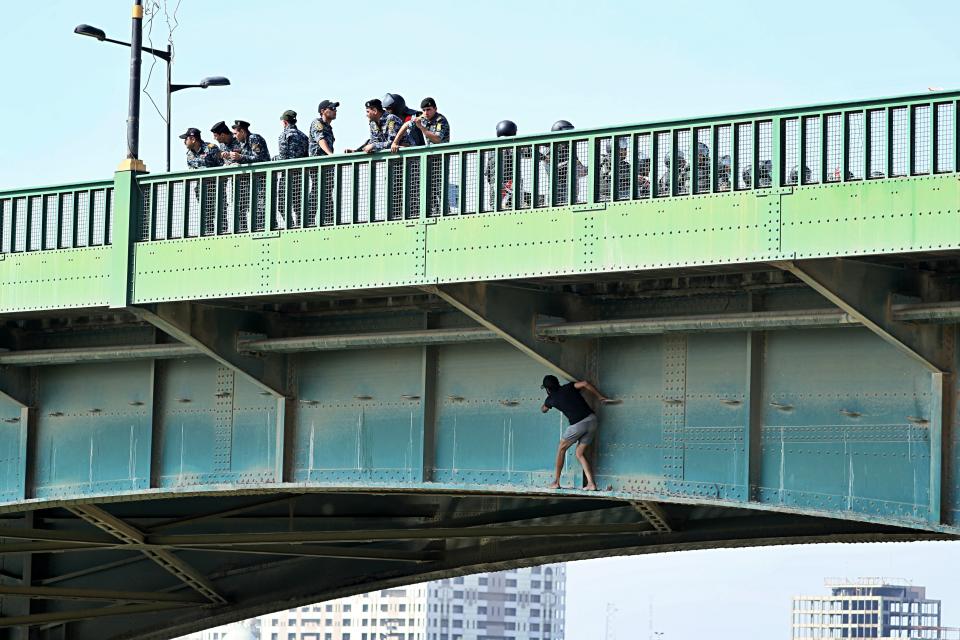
{"type": "Point", "coordinates": [594, 63]}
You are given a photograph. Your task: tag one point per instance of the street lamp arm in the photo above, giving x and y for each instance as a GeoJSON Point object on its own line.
{"type": "Point", "coordinates": [93, 32]}
{"type": "Point", "coordinates": [178, 87]}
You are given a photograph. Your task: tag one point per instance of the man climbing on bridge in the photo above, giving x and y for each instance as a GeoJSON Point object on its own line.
{"type": "Point", "coordinates": [583, 422]}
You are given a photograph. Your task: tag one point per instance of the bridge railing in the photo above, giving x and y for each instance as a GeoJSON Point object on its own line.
{"type": "Point", "coordinates": [889, 138]}
{"type": "Point", "coordinates": [58, 217]}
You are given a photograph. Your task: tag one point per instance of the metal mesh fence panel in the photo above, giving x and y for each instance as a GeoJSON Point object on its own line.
{"type": "Point", "coordinates": [192, 226]}
{"type": "Point", "coordinates": [295, 196]}
{"type": "Point", "coordinates": [506, 186]}
{"type": "Point", "coordinates": [380, 190]}
{"type": "Point", "coordinates": [99, 235]}
{"type": "Point", "coordinates": [452, 171]}
{"type": "Point", "coordinates": [811, 150]}
{"type": "Point", "coordinates": [643, 145]}
{"type": "Point", "coordinates": [36, 223]}
{"type": "Point", "coordinates": [856, 137]}
{"type": "Point", "coordinates": [209, 200]}
{"type": "Point", "coordinates": [946, 122]}
{"type": "Point", "coordinates": [279, 200]}
{"type": "Point", "coordinates": [225, 204]}
{"type": "Point", "coordinates": [581, 164]}
{"type": "Point", "coordinates": [395, 211]}
{"type": "Point", "coordinates": [683, 163]}
{"type": "Point", "coordinates": [243, 203]}
{"type": "Point", "coordinates": [877, 120]}
{"type": "Point", "coordinates": [434, 185]}
{"type": "Point", "coordinates": [834, 150]}
{"type": "Point", "coordinates": [328, 183]}
{"type": "Point", "coordinates": [413, 188]}
{"type": "Point", "coordinates": [723, 151]}
{"type": "Point", "coordinates": [525, 177]}
{"type": "Point", "coordinates": [160, 216]}
{"type": "Point", "coordinates": [922, 131]}
{"type": "Point", "coordinates": [6, 225]}
{"type": "Point", "coordinates": [66, 220]}
{"type": "Point", "coordinates": [604, 180]}
{"type": "Point", "coordinates": [110, 203]}
{"type": "Point", "coordinates": [663, 163]}
{"type": "Point", "coordinates": [702, 172]}
{"type": "Point", "coordinates": [181, 196]}
{"type": "Point", "coordinates": [621, 168]}
{"type": "Point", "coordinates": [900, 140]}
{"type": "Point", "coordinates": [83, 219]}
{"type": "Point", "coordinates": [346, 193]}
{"type": "Point", "coordinates": [471, 169]}
{"type": "Point", "coordinates": [51, 224]}
{"type": "Point", "coordinates": [487, 159]}
{"type": "Point", "coordinates": [561, 173]}
{"type": "Point", "coordinates": [764, 154]}
{"type": "Point", "coordinates": [744, 140]}
{"type": "Point", "coordinates": [313, 195]}
{"type": "Point", "coordinates": [363, 192]}
{"type": "Point", "coordinates": [259, 197]}
{"type": "Point", "coordinates": [791, 151]}
{"type": "Point", "coordinates": [146, 227]}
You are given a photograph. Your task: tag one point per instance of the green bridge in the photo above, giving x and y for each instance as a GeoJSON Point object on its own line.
{"type": "Point", "coordinates": [230, 391]}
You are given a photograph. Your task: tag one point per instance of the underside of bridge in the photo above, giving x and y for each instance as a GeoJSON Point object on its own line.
{"type": "Point", "coordinates": [173, 466]}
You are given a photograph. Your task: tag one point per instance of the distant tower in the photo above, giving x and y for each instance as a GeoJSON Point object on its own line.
{"type": "Point", "coordinates": [611, 633]}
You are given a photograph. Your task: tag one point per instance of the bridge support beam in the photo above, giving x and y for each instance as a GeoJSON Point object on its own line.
{"type": "Point", "coordinates": [512, 312]}
{"type": "Point", "coordinates": [865, 291]}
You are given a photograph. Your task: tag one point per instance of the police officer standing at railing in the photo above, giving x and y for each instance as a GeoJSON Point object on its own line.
{"type": "Point", "coordinates": [383, 128]}
{"type": "Point", "coordinates": [230, 147]}
{"type": "Point", "coordinates": [321, 129]}
{"type": "Point", "coordinates": [253, 148]}
{"type": "Point", "coordinates": [200, 154]}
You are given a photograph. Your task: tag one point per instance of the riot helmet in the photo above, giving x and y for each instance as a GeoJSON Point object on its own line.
{"type": "Point", "coordinates": [506, 128]}
{"type": "Point", "coordinates": [561, 125]}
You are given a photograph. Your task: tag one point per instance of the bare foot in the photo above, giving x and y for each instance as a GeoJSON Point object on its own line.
{"type": "Point", "coordinates": [554, 485]}
{"type": "Point", "coordinates": [590, 487]}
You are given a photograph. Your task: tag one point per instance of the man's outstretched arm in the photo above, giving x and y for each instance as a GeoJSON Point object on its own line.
{"type": "Point", "coordinates": [583, 384]}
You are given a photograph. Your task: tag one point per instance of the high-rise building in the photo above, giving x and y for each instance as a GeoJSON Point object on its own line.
{"type": "Point", "coordinates": [869, 608]}
{"type": "Point", "coordinates": [519, 604]}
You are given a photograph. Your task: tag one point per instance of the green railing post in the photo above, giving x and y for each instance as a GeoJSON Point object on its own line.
{"type": "Point", "coordinates": [126, 211]}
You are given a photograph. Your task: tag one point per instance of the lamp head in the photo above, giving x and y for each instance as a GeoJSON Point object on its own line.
{"type": "Point", "coordinates": [93, 32]}
{"type": "Point", "coordinates": [214, 81]}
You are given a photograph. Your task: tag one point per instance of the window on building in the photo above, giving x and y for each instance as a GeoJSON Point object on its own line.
{"type": "Point", "coordinates": [511, 626]}
{"type": "Point", "coordinates": [482, 611]}
{"type": "Point", "coordinates": [366, 607]}
{"type": "Point", "coordinates": [291, 622]}
{"type": "Point", "coordinates": [511, 582]}
{"type": "Point", "coordinates": [346, 608]}
{"type": "Point", "coordinates": [534, 584]}
{"type": "Point", "coordinates": [458, 608]}
{"type": "Point", "coordinates": [401, 607]}
{"type": "Point", "coordinates": [482, 581]}
{"type": "Point", "coordinates": [510, 611]}
{"type": "Point", "coordinates": [291, 636]}
{"type": "Point", "coordinates": [534, 613]}
{"type": "Point", "coordinates": [534, 626]}
{"type": "Point", "coordinates": [346, 622]}
{"type": "Point", "coordinates": [345, 636]}
{"type": "Point", "coordinates": [328, 607]}
{"type": "Point", "coordinates": [383, 607]}
{"type": "Point", "coordinates": [458, 594]}
{"type": "Point", "coordinates": [534, 597]}
{"type": "Point", "coordinates": [458, 580]}
{"type": "Point", "coordinates": [458, 624]}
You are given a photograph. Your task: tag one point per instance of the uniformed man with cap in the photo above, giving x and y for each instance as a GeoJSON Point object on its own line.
{"type": "Point", "coordinates": [431, 124]}
{"type": "Point", "coordinates": [321, 129]}
{"type": "Point", "coordinates": [230, 147]}
{"type": "Point", "coordinates": [253, 148]}
{"type": "Point", "coordinates": [293, 142]}
{"type": "Point", "coordinates": [383, 128]}
{"type": "Point", "coordinates": [200, 154]}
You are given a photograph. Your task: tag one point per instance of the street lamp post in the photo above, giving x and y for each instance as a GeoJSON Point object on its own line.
{"type": "Point", "coordinates": [166, 56]}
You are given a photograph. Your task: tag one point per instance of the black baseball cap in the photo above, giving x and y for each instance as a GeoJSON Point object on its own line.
{"type": "Point", "coordinates": [374, 104]}
{"type": "Point", "coordinates": [327, 104]}
{"type": "Point", "coordinates": [289, 115]}
{"type": "Point", "coordinates": [220, 127]}
{"type": "Point", "coordinates": [241, 124]}
{"type": "Point", "coordinates": [192, 131]}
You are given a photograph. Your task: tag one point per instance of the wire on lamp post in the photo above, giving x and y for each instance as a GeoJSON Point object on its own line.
{"type": "Point", "coordinates": [166, 56]}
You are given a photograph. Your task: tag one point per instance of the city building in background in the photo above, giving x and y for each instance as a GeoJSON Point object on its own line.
{"type": "Point", "coordinates": [870, 608]}
{"type": "Point", "coordinates": [518, 604]}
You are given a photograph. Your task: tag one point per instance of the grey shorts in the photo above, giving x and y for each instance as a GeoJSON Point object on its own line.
{"type": "Point", "coordinates": [583, 431]}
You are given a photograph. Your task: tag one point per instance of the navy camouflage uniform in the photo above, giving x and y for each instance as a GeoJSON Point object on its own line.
{"type": "Point", "coordinates": [254, 149]}
{"type": "Point", "coordinates": [234, 146]}
{"type": "Point", "coordinates": [438, 125]}
{"type": "Point", "coordinates": [208, 155]}
{"type": "Point", "coordinates": [384, 130]}
{"type": "Point", "coordinates": [293, 143]}
{"type": "Point", "coordinates": [320, 130]}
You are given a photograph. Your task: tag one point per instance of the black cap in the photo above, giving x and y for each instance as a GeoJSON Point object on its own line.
{"type": "Point", "coordinates": [192, 131]}
{"type": "Point", "coordinates": [241, 124]}
{"type": "Point", "coordinates": [220, 127]}
{"type": "Point", "coordinates": [374, 104]}
{"type": "Point", "coordinates": [550, 383]}
{"type": "Point", "coordinates": [289, 115]}
{"type": "Point", "coordinates": [327, 104]}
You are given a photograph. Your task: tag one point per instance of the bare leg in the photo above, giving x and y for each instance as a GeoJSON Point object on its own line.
{"type": "Point", "coordinates": [561, 454]}
{"type": "Point", "coordinates": [582, 457]}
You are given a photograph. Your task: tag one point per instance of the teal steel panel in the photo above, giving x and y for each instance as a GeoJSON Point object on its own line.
{"type": "Point", "coordinates": [12, 431]}
{"type": "Point", "coordinates": [360, 416]}
{"type": "Point", "coordinates": [93, 433]}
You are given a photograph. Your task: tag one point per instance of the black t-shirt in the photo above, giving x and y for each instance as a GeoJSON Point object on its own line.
{"type": "Point", "coordinates": [568, 400]}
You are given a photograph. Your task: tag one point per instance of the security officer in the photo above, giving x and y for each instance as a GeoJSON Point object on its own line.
{"type": "Point", "coordinates": [230, 147]}
{"type": "Point", "coordinates": [321, 129]}
{"type": "Point", "coordinates": [395, 104]}
{"type": "Point", "coordinates": [505, 128]}
{"type": "Point", "coordinates": [200, 154]}
{"type": "Point", "coordinates": [253, 148]}
{"type": "Point", "coordinates": [293, 142]}
{"type": "Point", "coordinates": [432, 125]}
{"type": "Point", "coordinates": [383, 128]}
